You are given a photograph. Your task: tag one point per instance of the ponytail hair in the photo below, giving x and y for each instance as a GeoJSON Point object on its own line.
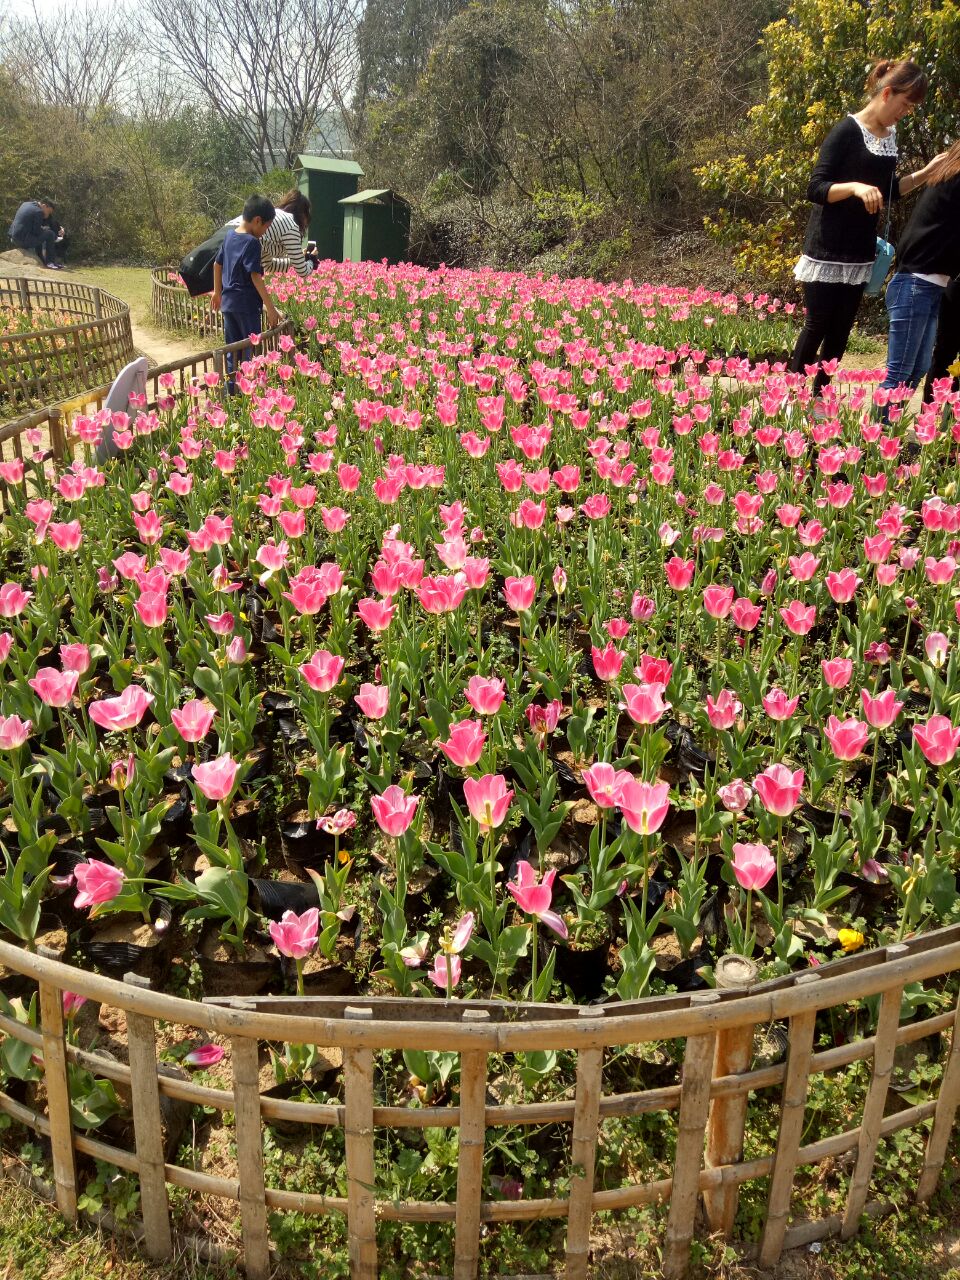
{"type": "Point", "coordinates": [900, 76]}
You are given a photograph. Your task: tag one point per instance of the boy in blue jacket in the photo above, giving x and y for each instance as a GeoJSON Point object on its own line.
{"type": "Point", "coordinates": [238, 289]}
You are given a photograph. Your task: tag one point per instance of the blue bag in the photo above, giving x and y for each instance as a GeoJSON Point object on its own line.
{"type": "Point", "coordinates": [885, 253]}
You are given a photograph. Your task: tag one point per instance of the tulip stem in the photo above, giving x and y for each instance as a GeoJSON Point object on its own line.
{"type": "Point", "coordinates": [533, 958]}
{"type": "Point", "coordinates": [873, 767]}
{"type": "Point", "coordinates": [780, 866]}
{"type": "Point", "coordinates": [645, 864]}
{"type": "Point", "coordinates": [747, 948]}
{"type": "Point", "coordinates": [836, 810]}
{"type": "Point", "coordinates": [299, 963]}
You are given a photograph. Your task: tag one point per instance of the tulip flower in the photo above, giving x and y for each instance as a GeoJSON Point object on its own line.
{"type": "Point", "coordinates": [519, 593]}
{"type": "Point", "coordinates": [836, 672]}
{"type": "Point", "coordinates": [376, 614]}
{"type": "Point", "coordinates": [152, 608]}
{"type": "Point", "coordinates": [394, 811]}
{"type": "Point", "coordinates": [296, 937]}
{"type": "Point", "coordinates": [72, 1004]}
{"type": "Point", "coordinates": [847, 738]}
{"type": "Point", "coordinates": [75, 657]}
{"type": "Point", "coordinates": [485, 694]}
{"type": "Point", "coordinates": [323, 671]}
{"type": "Point", "coordinates": [204, 1056]}
{"type": "Point", "coordinates": [488, 799]}
{"type": "Point", "coordinates": [718, 601]}
{"type": "Point", "coordinates": [779, 789]}
{"type": "Point", "coordinates": [464, 744]}
{"type": "Point", "coordinates": [607, 661]}
{"type": "Point", "coordinates": [644, 703]}
{"type": "Point", "coordinates": [373, 700]}
{"type": "Point", "coordinates": [13, 600]}
{"type": "Point", "coordinates": [605, 783]}
{"type": "Point", "coordinates": [193, 720]}
{"type": "Point", "coordinates": [14, 732]}
{"type": "Point", "coordinates": [723, 710]}
{"type": "Point", "coordinates": [778, 705]}
{"type": "Point", "coordinates": [54, 688]}
{"type": "Point", "coordinates": [882, 710]}
{"type": "Point", "coordinates": [798, 618]}
{"type": "Point", "coordinates": [644, 805]}
{"type": "Point", "coordinates": [735, 795]}
{"type": "Point", "coordinates": [123, 712]}
{"type": "Point", "coordinates": [679, 573]}
{"type": "Point", "coordinates": [446, 972]}
{"type": "Point", "coordinates": [936, 646]}
{"type": "Point", "coordinates": [938, 739]}
{"type": "Point", "coordinates": [97, 882]}
{"type": "Point", "coordinates": [534, 898]}
{"type": "Point", "coordinates": [216, 778]}
{"type": "Point", "coordinates": [753, 865]}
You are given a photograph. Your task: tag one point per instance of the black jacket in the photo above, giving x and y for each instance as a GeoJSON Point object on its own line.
{"type": "Point", "coordinates": [930, 243]}
{"type": "Point", "coordinates": [845, 232]}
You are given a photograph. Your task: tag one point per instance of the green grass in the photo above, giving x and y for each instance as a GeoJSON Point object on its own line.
{"type": "Point", "coordinates": [133, 285]}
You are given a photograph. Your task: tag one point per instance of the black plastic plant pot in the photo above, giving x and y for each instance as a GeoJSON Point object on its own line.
{"type": "Point", "coordinates": [176, 821]}
{"type": "Point", "coordinates": [304, 846]}
{"type": "Point", "coordinates": [686, 975]}
{"type": "Point", "coordinates": [126, 944]}
{"type": "Point", "coordinates": [228, 972]}
{"type": "Point", "coordinates": [273, 897]}
{"type": "Point", "coordinates": [329, 980]}
{"type": "Point", "coordinates": [583, 969]}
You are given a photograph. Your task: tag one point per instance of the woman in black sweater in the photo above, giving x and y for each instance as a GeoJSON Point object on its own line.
{"type": "Point", "coordinates": [928, 257]}
{"type": "Point", "coordinates": [854, 176]}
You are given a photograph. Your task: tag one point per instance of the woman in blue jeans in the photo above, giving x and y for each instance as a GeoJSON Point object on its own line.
{"type": "Point", "coordinates": [928, 257]}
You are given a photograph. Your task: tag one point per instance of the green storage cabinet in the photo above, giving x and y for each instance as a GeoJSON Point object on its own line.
{"type": "Point", "coordinates": [376, 225]}
{"type": "Point", "coordinates": [325, 182]}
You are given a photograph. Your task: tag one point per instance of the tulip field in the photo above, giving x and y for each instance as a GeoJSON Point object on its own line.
{"type": "Point", "coordinates": [497, 637]}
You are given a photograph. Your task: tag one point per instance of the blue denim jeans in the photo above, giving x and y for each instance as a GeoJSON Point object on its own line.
{"type": "Point", "coordinates": [913, 306]}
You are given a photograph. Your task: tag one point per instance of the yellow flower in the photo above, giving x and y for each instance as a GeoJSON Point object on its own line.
{"type": "Point", "coordinates": [850, 939]}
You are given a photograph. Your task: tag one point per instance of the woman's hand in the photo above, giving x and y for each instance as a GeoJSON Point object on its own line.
{"type": "Point", "coordinates": [872, 197]}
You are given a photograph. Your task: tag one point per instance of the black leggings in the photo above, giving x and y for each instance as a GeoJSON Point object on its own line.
{"type": "Point", "coordinates": [830, 312]}
{"type": "Point", "coordinates": [946, 349]}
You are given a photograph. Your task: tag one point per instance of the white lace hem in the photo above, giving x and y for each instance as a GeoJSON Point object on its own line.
{"type": "Point", "coordinates": [813, 271]}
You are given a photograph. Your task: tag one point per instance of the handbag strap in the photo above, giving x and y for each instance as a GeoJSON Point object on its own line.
{"type": "Point", "coordinates": [886, 229]}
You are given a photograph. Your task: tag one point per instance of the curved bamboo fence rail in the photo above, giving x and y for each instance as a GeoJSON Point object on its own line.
{"type": "Point", "coordinates": [173, 308]}
{"type": "Point", "coordinates": [711, 1100]}
{"type": "Point", "coordinates": [49, 363]}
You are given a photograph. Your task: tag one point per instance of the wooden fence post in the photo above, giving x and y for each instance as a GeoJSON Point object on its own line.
{"type": "Point", "coordinates": [583, 1153]}
{"type": "Point", "coordinates": [948, 1100]}
{"type": "Point", "coordinates": [148, 1128]}
{"type": "Point", "coordinates": [245, 1054]}
{"type": "Point", "coordinates": [695, 1083]}
{"type": "Point", "coordinates": [885, 1046]}
{"type": "Point", "coordinates": [361, 1175]}
{"type": "Point", "coordinates": [728, 1116]}
{"type": "Point", "coordinates": [57, 1081]}
{"type": "Point", "coordinates": [473, 1129]}
{"type": "Point", "coordinates": [792, 1110]}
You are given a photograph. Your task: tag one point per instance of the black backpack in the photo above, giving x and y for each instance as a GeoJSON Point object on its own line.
{"type": "Point", "coordinates": [196, 269]}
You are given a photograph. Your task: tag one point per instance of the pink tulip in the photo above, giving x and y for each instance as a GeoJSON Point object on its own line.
{"type": "Point", "coordinates": [746, 614]}
{"type": "Point", "coordinates": [193, 720]}
{"type": "Point", "coordinates": [847, 738]}
{"type": "Point", "coordinates": [337, 824]}
{"type": "Point", "coordinates": [519, 593]}
{"type": "Point", "coordinates": [464, 744]}
{"type": "Point", "coordinates": [221, 624]}
{"type": "Point", "coordinates": [544, 720]}
{"type": "Point", "coordinates": [534, 899]}
{"type": "Point", "coordinates": [798, 618]}
{"type": "Point", "coordinates": [753, 865]}
{"type": "Point", "coordinates": [778, 705]}
{"type": "Point", "coordinates": [938, 739]}
{"type": "Point", "coordinates": [446, 971]}
{"type": "Point", "coordinates": [236, 651]}
{"type": "Point", "coordinates": [882, 710]}
{"type": "Point", "coordinates": [54, 688]}
{"type": "Point", "coordinates": [204, 1056]}
{"type": "Point", "coordinates": [940, 572]}
{"type": "Point", "coordinates": [152, 608]}
{"type": "Point", "coordinates": [652, 670]}
{"type": "Point", "coordinates": [97, 882]}
{"type": "Point", "coordinates": [723, 710]}
{"type": "Point", "coordinates": [75, 657]}
{"type": "Point", "coordinates": [216, 778]}
{"type": "Point", "coordinates": [488, 799]}
{"type": "Point", "coordinates": [394, 811]}
{"type": "Point", "coordinates": [307, 597]}
{"type": "Point", "coordinates": [836, 672]}
{"type": "Point", "coordinates": [936, 646]}
{"type": "Point", "coordinates": [72, 1003]}
{"type": "Point", "coordinates": [123, 712]}
{"type": "Point", "coordinates": [485, 694]}
{"type": "Point", "coordinates": [376, 614]}
{"type": "Point", "coordinates": [323, 670]}
{"type": "Point", "coordinates": [373, 700]}
{"type": "Point", "coordinates": [842, 585]}
{"type": "Point", "coordinates": [718, 601]}
{"type": "Point", "coordinates": [461, 935]}
{"type": "Point", "coordinates": [14, 732]}
{"type": "Point", "coordinates": [607, 661]}
{"type": "Point", "coordinates": [296, 936]}
{"type": "Point", "coordinates": [802, 568]}
{"type": "Point", "coordinates": [735, 795]}
{"type": "Point", "coordinates": [604, 784]}
{"type": "Point", "coordinates": [442, 593]}
{"type": "Point", "coordinates": [642, 608]}
{"type": "Point", "coordinates": [779, 789]}
{"type": "Point", "coordinates": [13, 600]}
{"type": "Point", "coordinates": [644, 805]}
{"type": "Point", "coordinates": [679, 573]}
{"type": "Point", "coordinates": [644, 703]}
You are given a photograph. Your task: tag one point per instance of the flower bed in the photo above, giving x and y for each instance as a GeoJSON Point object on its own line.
{"type": "Point", "coordinates": [501, 638]}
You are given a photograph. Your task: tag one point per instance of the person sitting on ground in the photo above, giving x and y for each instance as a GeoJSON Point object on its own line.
{"type": "Point", "coordinates": [58, 250]}
{"type": "Point", "coordinates": [238, 289]}
{"type": "Point", "coordinates": [28, 231]}
{"type": "Point", "coordinates": [282, 246]}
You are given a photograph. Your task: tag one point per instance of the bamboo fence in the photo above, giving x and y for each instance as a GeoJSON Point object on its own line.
{"type": "Point", "coordinates": [173, 308]}
{"type": "Point", "coordinates": [56, 419]}
{"type": "Point", "coordinates": [711, 1100]}
{"type": "Point", "coordinates": [47, 364]}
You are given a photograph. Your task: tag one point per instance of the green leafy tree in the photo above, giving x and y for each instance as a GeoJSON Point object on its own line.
{"type": "Point", "coordinates": [818, 57]}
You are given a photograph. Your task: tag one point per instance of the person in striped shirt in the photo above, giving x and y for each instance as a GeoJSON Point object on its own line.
{"type": "Point", "coordinates": [282, 244]}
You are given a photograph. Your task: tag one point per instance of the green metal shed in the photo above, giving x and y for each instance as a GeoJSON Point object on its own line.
{"type": "Point", "coordinates": [376, 225]}
{"type": "Point", "coordinates": [325, 181]}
